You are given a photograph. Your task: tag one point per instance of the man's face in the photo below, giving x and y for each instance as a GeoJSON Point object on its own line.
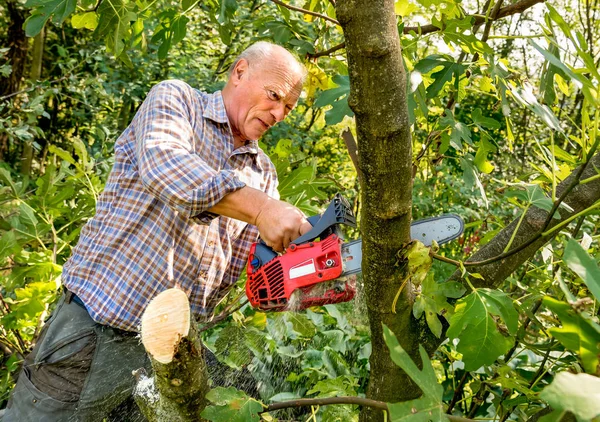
{"type": "Point", "coordinates": [264, 94]}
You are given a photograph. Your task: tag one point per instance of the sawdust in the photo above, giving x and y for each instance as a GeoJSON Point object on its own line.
{"type": "Point", "coordinates": [319, 290]}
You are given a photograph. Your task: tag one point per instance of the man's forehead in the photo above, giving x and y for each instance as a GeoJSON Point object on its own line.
{"type": "Point", "coordinates": [286, 80]}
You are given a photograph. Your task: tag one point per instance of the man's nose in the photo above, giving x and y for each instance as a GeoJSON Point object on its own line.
{"type": "Point", "coordinates": [278, 112]}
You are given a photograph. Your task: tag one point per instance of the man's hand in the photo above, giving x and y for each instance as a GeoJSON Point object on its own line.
{"type": "Point", "coordinates": [279, 223]}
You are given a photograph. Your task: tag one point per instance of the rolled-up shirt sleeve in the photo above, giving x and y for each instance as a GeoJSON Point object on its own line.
{"type": "Point", "coordinates": [169, 167]}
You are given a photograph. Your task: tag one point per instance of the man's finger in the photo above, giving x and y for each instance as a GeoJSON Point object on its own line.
{"type": "Point", "coordinates": [305, 227]}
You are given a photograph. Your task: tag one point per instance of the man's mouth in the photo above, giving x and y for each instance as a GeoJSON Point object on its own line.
{"type": "Point", "coordinates": [266, 126]}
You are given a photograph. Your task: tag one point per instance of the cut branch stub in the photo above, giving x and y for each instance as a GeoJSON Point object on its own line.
{"type": "Point", "coordinates": [179, 382]}
{"type": "Point", "coordinates": [162, 328]}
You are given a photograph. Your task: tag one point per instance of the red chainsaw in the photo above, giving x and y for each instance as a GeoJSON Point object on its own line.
{"type": "Point", "coordinates": [319, 268]}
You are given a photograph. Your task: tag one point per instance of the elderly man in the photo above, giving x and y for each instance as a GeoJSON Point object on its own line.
{"type": "Point", "coordinates": [189, 192]}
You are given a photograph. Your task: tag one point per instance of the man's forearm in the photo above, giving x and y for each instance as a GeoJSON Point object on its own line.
{"type": "Point", "coordinates": [243, 204]}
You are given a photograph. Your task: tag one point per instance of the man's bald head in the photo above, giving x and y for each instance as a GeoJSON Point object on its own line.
{"type": "Point", "coordinates": [263, 54]}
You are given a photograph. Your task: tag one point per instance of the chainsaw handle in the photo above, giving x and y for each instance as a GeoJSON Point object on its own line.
{"type": "Point", "coordinates": [338, 212]}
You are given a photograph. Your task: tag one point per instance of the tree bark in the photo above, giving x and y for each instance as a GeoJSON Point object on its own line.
{"type": "Point", "coordinates": [378, 99]}
{"type": "Point", "coordinates": [17, 53]}
{"type": "Point", "coordinates": [176, 390]}
{"type": "Point", "coordinates": [17, 58]}
{"type": "Point", "coordinates": [35, 73]}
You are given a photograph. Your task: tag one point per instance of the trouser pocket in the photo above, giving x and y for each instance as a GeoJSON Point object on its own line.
{"type": "Point", "coordinates": [60, 368]}
{"type": "Point", "coordinates": [54, 373]}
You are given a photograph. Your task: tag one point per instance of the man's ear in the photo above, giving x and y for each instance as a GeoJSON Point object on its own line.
{"type": "Point", "coordinates": [240, 69]}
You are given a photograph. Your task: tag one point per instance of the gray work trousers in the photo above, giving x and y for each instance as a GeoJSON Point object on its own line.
{"type": "Point", "coordinates": [78, 370]}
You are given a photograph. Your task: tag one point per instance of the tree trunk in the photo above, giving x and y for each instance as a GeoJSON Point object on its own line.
{"type": "Point", "coordinates": [378, 99]}
{"type": "Point", "coordinates": [177, 388]}
{"type": "Point", "coordinates": [17, 58]}
{"type": "Point", "coordinates": [17, 53]}
{"type": "Point", "coordinates": [35, 73]}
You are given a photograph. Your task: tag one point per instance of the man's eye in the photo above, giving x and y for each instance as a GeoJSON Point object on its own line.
{"type": "Point", "coordinates": [273, 95]}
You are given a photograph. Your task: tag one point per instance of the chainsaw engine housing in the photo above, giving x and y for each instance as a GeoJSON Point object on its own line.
{"type": "Point", "coordinates": [270, 286]}
{"type": "Point", "coordinates": [274, 281]}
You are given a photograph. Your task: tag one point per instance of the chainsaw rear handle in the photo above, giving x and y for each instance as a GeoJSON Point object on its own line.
{"type": "Point", "coordinates": [338, 212]}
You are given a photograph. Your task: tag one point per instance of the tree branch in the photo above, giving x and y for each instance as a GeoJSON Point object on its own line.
{"type": "Point", "coordinates": [307, 12]}
{"type": "Point", "coordinates": [326, 52]}
{"type": "Point", "coordinates": [425, 29]}
{"type": "Point", "coordinates": [567, 190]}
{"type": "Point", "coordinates": [343, 400]}
{"type": "Point", "coordinates": [495, 266]}
{"type": "Point", "coordinates": [513, 9]}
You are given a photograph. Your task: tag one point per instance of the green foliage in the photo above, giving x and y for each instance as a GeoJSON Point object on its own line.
{"type": "Point", "coordinates": [474, 324]}
{"type": "Point", "coordinates": [337, 98]}
{"type": "Point", "coordinates": [582, 264]}
{"type": "Point", "coordinates": [492, 135]}
{"type": "Point", "coordinates": [430, 405]}
{"type": "Point", "coordinates": [576, 393]}
{"type": "Point", "coordinates": [313, 354]}
{"type": "Point", "coordinates": [231, 405]}
{"type": "Point", "coordinates": [433, 301]}
{"type": "Point", "coordinates": [578, 333]}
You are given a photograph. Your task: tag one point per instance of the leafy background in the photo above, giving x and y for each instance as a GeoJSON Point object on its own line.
{"type": "Point", "coordinates": [499, 117]}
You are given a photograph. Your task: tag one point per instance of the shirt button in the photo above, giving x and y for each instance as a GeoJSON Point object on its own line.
{"type": "Point", "coordinates": [211, 244]}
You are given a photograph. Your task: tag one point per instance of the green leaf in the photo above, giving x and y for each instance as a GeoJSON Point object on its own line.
{"type": "Point", "coordinates": [482, 121]}
{"type": "Point", "coordinates": [471, 177]}
{"type": "Point", "coordinates": [582, 264]}
{"type": "Point", "coordinates": [114, 23]}
{"type": "Point", "coordinates": [445, 75]}
{"type": "Point", "coordinates": [576, 393]}
{"type": "Point", "coordinates": [429, 63]}
{"type": "Point", "coordinates": [231, 405]}
{"type": "Point", "coordinates": [577, 333]}
{"type": "Point", "coordinates": [458, 131]}
{"type": "Point", "coordinates": [339, 386]}
{"type": "Point", "coordinates": [179, 28]}
{"type": "Point", "coordinates": [64, 155]}
{"type": "Point", "coordinates": [7, 179]}
{"type": "Point", "coordinates": [88, 20]}
{"type": "Point", "coordinates": [293, 180]}
{"type": "Point", "coordinates": [8, 244]}
{"type": "Point", "coordinates": [27, 215]}
{"type": "Point", "coordinates": [548, 75]}
{"type": "Point", "coordinates": [473, 323]}
{"type": "Point", "coordinates": [338, 99]}
{"type": "Point", "coordinates": [404, 7]}
{"type": "Point", "coordinates": [525, 97]}
{"type": "Point", "coordinates": [419, 261]}
{"type": "Point", "coordinates": [432, 301]}
{"type": "Point", "coordinates": [586, 85]}
{"type": "Point", "coordinates": [301, 324]}
{"type": "Point", "coordinates": [59, 10]}
{"type": "Point", "coordinates": [481, 161]}
{"type": "Point", "coordinates": [430, 406]}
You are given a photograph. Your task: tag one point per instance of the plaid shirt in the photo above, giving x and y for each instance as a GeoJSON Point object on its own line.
{"type": "Point", "coordinates": [151, 230]}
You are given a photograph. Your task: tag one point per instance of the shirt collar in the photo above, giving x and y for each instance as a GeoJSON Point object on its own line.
{"type": "Point", "coordinates": [215, 111]}
{"type": "Point", "coordinates": [215, 108]}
